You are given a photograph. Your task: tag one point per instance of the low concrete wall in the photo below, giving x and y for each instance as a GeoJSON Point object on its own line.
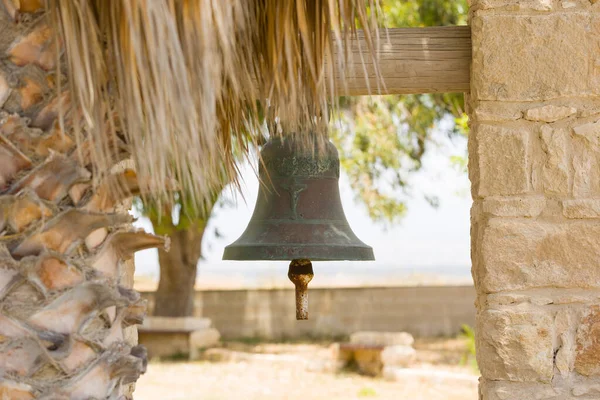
{"type": "Point", "coordinates": [270, 314]}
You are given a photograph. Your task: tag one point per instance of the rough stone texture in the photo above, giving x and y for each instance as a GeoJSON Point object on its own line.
{"type": "Point", "coordinates": [532, 62]}
{"type": "Point", "coordinates": [581, 208]}
{"type": "Point", "coordinates": [503, 161]}
{"type": "Point", "coordinates": [564, 357]}
{"type": "Point", "coordinates": [515, 345]}
{"type": "Point", "coordinates": [521, 254]}
{"type": "Point", "coordinates": [542, 297]}
{"type": "Point", "coordinates": [572, 388]}
{"type": "Point", "coordinates": [587, 361]}
{"type": "Point", "coordinates": [488, 111]}
{"type": "Point", "coordinates": [590, 131]}
{"type": "Point", "coordinates": [503, 111]}
{"type": "Point", "coordinates": [555, 168]}
{"type": "Point", "coordinates": [549, 113]}
{"type": "Point", "coordinates": [534, 165]}
{"type": "Point", "coordinates": [530, 206]}
{"type": "Point", "coordinates": [586, 160]}
{"type": "Point", "coordinates": [502, 390]}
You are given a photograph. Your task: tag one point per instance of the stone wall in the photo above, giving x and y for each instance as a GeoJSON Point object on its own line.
{"type": "Point", "coordinates": [271, 314]}
{"type": "Point", "coordinates": [534, 164]}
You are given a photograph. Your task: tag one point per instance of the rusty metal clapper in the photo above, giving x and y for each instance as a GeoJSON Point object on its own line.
{"type": "Point", "coordinates": [298, 214]}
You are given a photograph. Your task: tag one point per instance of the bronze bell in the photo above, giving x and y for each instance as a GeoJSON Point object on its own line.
{"type": "Point", "coordinates": [298, 214]}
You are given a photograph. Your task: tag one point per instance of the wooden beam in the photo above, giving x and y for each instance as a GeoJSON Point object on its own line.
{"type": "Point", "coordinates": [412, 60]}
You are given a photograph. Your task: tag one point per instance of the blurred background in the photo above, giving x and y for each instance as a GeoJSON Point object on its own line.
{"type": "Point", "coordinates": [399, 327]}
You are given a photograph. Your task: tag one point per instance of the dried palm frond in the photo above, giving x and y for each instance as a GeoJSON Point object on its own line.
{"type": "Point", "coordinates": [186, 83]}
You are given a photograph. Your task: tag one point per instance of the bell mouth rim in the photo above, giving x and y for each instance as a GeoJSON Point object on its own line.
{"type": "Point", "coordinates": [312, 252]}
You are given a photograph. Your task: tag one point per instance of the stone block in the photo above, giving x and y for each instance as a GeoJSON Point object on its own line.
{"type": "Point", "coordinates": [496, 111]}
{"type": "Point", "coordinates": [503, 165]}
{"type": "Point", "coordinates": [165, 344]}
{"type": "Point", "coordinates": [564, 356]}
{"type": "Point", "coordinates": [555, 168]}
{"type": "Point", "coordinates": [522, 254]}
{"type": "Point", "coordinates": [581, 208]}
{"type": "Point", "coordinates": [368, 360]}
{"type": "Point", "coordinates": [521, 206]}
{"type": "Point", "coordinates": [382, 338]}
{"type": "Point", "coordinates": [503, 390]}
{"type": "Point", "coordinates": [587, 359]}
{"type": "Point", "coordinates": [575, 5]}
{"type": "Point", "coordinates": [549, 113]}
{"type": "Point", "coordinates": [589, 131]}
{"type": "Point", "coordinates": [545, 56]}
{"type": "Point", "coordinates": [515, 345]}
{"type": "Point", "coordinates": [398, 356]}
{"type": "Point", "coordinates": [176, 336]}
{"type": "Point", "coordinates": [371, 358]}
{"type": "Point", "coordinates": [201, 340]}
{"type": "Point", "coordinates": [591, 391]}
{"type": "Point", "coordinates": [586, 160]}
{"type": "Point", "coordinates": [340, 356]}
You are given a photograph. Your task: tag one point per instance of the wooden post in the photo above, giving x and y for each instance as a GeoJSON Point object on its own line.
{"type": "Point", "coordinates": [411, 60]}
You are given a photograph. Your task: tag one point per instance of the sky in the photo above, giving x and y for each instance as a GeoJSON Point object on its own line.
{"type": "Point", "coordinates": [427, 245]}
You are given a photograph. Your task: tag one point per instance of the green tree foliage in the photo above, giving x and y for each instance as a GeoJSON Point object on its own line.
{"type": "Point", "coordinates": [408, 13]}
{"type": "Point", "coordinates": [382, 139]}
{"type": "Point", "coordinates": [470, 354]}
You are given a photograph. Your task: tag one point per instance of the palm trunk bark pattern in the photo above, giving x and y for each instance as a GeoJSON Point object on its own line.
{"type": "Point", "coordinates": [64, 310]}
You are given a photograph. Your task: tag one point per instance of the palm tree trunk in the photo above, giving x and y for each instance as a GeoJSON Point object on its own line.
{"type": "Point", "coordinates": [64, 309]}
{"type": "Point", "coordinates": [178, 266]}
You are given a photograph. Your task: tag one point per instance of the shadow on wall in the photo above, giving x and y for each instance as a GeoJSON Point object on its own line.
{"type": "Point", "coordinates": [270, 314]}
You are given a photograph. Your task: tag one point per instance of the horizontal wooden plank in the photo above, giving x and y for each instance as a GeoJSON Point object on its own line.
{"type": "Point", "coordinates": [411, 60]}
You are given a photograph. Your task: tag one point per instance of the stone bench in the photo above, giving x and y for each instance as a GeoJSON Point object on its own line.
{"type": "Point", "coordinates": [372, 351]}
{"type": "Point", "coordinates": [176, 337]}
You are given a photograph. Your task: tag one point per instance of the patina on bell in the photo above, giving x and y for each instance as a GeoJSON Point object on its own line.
{"type": "Point", "coordinates": [298, 214]}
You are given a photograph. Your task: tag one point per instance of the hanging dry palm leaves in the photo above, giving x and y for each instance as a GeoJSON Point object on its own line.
{"type": "Point", "coordinates": [185, 84]}
{"type": "Point", "coordinates": [178, 85]}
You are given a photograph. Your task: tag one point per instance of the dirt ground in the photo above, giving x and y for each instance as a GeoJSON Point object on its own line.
{"type": "Point", "coordinates": [298, 372]}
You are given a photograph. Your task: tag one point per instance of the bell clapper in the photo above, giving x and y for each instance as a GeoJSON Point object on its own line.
{"type": "Point", "coordinates": [301, 273]}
